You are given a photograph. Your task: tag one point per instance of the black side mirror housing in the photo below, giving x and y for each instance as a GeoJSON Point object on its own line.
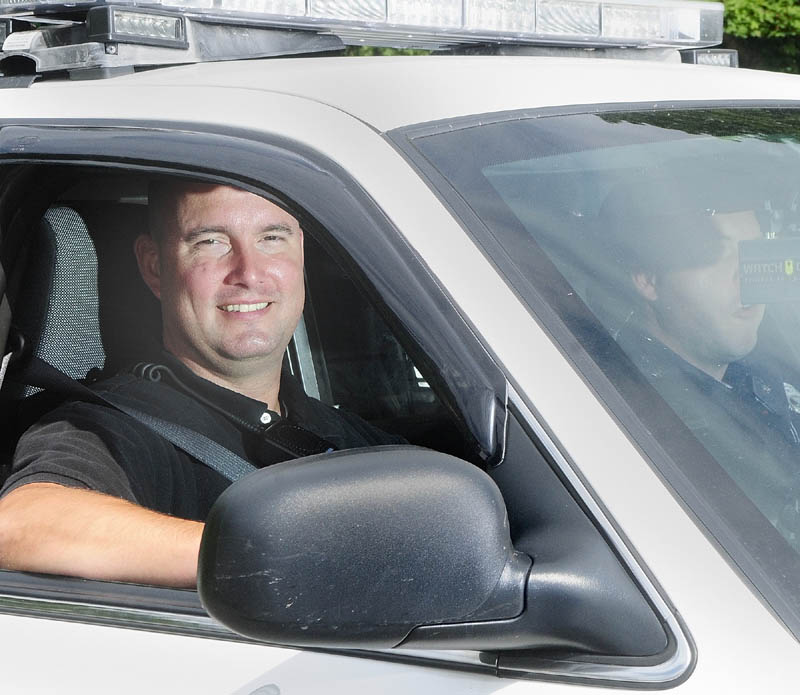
{"type": "Point", "coordinates": [407, 547]}
{"type": "Point", "coordinates": [359, 548]}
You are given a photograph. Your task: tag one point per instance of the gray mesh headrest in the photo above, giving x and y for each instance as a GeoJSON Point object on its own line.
{"type": "Point", "coordinates": [62, 316]}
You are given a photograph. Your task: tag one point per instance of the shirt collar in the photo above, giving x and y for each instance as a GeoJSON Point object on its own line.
{"type": "Point", "coordinates": [242, 409]}
{"type": "Point", "coordinates": [742, 377]}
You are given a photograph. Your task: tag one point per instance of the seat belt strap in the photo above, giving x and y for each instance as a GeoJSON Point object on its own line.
{"type": "Point", "coordinates": [197, 445]}
{"type": "Point", "coordinates": [280, 434]}
{"type": "Point", "coordinates": [217, 457]}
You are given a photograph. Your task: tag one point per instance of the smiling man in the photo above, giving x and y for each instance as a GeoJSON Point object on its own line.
{"type": "Point", "coordinates": [227, 266]}
{"type": "Point", "coordinates": [98, 494]}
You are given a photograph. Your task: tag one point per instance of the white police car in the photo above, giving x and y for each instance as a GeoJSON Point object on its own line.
{"type": "Point", "coordinates": [484, 232]}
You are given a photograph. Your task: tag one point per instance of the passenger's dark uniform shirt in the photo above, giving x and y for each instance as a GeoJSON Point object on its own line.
{"type": "Point", "coordinates": [747, 422]}
{"type": "Point", "coordinates": [96, 447]}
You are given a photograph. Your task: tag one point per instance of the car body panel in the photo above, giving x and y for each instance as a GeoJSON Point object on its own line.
{"type": "Point", "coordinates": [391, 92]}
{"type": "Point", "coordinates": [135, 661]}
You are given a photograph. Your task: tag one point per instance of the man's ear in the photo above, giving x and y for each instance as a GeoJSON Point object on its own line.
{"type": "Point", "coordinates": [147, 257]}
{"type": "Point", "coordinates": [645, 284]}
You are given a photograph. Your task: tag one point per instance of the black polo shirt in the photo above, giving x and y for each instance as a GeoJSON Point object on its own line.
{"type": "Point", "coordinates": [97, 447]}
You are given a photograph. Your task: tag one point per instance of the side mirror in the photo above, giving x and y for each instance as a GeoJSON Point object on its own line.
{"type": "Point", "coordinates": [358, 549]}
{"type": "Point", "coordinates": [406, 547]}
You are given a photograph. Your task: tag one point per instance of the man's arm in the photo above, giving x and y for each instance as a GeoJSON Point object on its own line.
{"type": "Point", "coordinates": [45, 527]}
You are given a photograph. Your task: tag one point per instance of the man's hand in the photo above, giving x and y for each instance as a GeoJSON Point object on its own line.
{"type": "Point", "coordinates": [54, 529]}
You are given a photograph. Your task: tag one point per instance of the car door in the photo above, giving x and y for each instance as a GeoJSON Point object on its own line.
{"type": "Point", "coordinates": [432, 379]}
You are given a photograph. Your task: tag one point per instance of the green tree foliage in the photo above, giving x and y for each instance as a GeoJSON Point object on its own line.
{"type": "Point", "coordinates": [765, 32]}
{"type": "Point", "coordinates": [768, 19]}
{"type": "Point", "coordinates": [379, 51]}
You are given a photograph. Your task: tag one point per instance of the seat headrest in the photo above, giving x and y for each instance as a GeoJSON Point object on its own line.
{"type": "Point", "coordinates": [57, 305]}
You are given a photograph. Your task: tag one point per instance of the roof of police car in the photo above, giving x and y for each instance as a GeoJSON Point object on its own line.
{"type": "Point", "coordinates": [389, 92]}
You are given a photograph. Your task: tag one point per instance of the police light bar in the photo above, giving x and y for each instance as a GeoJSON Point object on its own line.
{"type": "Point", "coordinates": [432, 23]}
{"type": "Point", "coordinates": [717, 57]}
{"type": "Point", "coordinates": [141, 26]}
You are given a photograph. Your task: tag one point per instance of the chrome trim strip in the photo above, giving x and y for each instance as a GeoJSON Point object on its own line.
{"type": "Point", "coordinates": [679, 664]}
{"type": "Point", "coordinates": [448, 656]}
{"type": "Point", "coordinates": [136, 618]}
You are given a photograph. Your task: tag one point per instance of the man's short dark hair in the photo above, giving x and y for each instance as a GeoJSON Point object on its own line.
{"type": "Point", "coordinates": [162, 194]}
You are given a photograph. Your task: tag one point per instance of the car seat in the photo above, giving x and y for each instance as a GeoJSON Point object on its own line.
{"type": "Point", "coordinates": [55, 317]}
{"type": "Point", "coordinates": [56, 309]}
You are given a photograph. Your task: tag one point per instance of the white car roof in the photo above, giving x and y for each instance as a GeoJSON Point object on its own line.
{"type": "Point", "coordinates": [389, 92]}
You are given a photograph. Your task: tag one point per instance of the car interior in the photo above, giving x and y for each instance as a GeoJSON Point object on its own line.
{"type": "Point", "coordinates": [78, 303]}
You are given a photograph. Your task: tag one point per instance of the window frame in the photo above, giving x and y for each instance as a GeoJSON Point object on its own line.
{"type": "Point", "coordinates": [321, 193]}
{"type": "Point", "coordinates": [360, 233]}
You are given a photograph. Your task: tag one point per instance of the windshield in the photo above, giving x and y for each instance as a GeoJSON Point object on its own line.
{"type": "Point", "coordinates": [668, 241]}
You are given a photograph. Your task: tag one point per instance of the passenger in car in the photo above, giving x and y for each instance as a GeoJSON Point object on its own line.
{"type": "Point", "coordinates": [96, 493]}
{"type": "Point", "coordinates": [693, 339]}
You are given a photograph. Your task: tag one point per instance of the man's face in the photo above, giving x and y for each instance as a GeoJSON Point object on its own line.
{"type": "Point", "coordinates": [698, 310]}
{"type": "Point", "coordinates": [230, 279]}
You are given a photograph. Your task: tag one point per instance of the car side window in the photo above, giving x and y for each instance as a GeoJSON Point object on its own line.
{"type": "Point", "coordinates": [93, 302]}
{"type": "Point", "coordinates": [362, 364]}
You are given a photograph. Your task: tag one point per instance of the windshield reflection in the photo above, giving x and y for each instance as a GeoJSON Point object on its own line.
{"type": "Point", "coordinates": [679, 231]}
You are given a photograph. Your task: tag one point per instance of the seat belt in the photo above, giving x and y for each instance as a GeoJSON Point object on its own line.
{"type": "Point", "coordinates": [217, 457]}
{"type": "Point", "coordinates": [282, 435]}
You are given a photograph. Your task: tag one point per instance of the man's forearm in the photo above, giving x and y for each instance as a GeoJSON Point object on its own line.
{"type": "Point", "coordinates": [59, 530]}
